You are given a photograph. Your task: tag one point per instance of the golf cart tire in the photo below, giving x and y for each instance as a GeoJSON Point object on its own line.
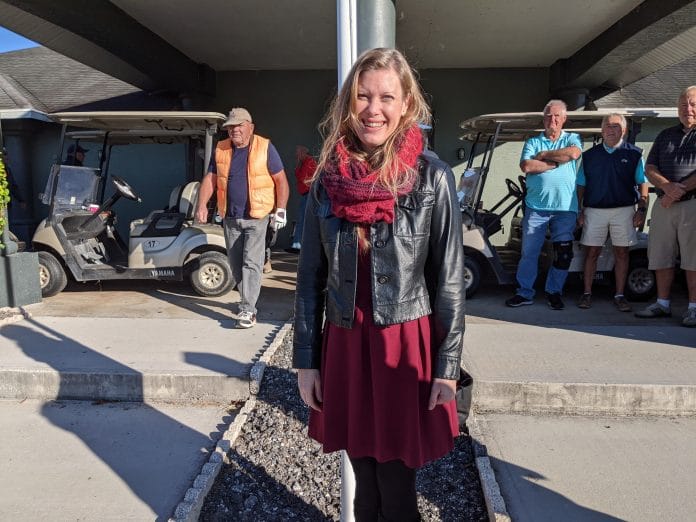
{"type": "Point", "coordinates": [640, 282]}
{"type": "Point", "coordinates": [52, 277]}
{"type": "Point", "coordinates": [211, 274]}
{"type": "Point", "coordinates": [472, 275]}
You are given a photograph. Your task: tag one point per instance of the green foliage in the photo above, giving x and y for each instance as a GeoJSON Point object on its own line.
{"type": "Point", "coordinates": [4, 196]}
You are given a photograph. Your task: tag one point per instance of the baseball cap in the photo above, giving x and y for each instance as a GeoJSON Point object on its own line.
{"type": "Point", "coordinates": [237, 115]}
{"type": "Point", "coordinates": [72, 149]}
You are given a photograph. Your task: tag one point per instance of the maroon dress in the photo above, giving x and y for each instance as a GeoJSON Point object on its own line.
{"type": "Point", "coordinates": [376, 384]}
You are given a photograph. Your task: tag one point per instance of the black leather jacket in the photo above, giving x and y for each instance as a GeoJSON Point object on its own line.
{"type": "Point", "coordinates": [417, 269]}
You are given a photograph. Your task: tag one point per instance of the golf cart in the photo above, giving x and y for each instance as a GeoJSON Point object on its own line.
{"type": "Point", "coordinates": [79, 237]}
{"type": "Point", "coordinates": [490, 131]}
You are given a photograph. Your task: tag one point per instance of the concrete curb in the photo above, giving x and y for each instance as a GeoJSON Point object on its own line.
{"type": "Point", "coordinates": [12, 315]}
{"type": "Point", "coordinates": [495, 504]}
{"type": "Point", "coordinates": [168, 388]}
{"type": "Point", "coordinates": [585, 398]}
{"type": "Point", "coordinates": [189, 509]}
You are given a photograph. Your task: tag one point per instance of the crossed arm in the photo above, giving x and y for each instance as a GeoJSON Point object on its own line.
{"type": "Point", "coordinates": [549, 159]}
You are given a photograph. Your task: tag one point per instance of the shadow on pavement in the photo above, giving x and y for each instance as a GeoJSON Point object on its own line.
{"type": "Point", "coordinates": [488, 307]}
{"type": "Point", "coordinates": [126, 436]}
{"type": "Point", "coordinates": [537, 502]}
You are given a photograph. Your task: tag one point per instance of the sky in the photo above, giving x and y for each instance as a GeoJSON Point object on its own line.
{"type": "Point", "coordinates": [10, 41]}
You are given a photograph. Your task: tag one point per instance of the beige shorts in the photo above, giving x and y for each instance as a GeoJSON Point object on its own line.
{"type": "Point", "coordinates": [672, 232]}
{"type": "Point", "coordinates": [614, 222]}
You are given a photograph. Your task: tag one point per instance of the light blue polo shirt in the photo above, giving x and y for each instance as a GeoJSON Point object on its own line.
{"type": "Point", "coordinates": [554, 189]}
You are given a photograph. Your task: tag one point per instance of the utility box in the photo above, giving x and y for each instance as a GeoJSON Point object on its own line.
{"type": "Point", "coordinates": [19, 279]}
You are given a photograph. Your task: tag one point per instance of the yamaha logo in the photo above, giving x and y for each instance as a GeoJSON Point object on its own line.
{"type": "Point", "coordinates": [162, 273]}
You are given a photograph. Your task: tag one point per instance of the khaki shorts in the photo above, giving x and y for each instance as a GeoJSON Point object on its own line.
{"type": "Point", "coordinates": [614, 222]}
{"type": "Point", "coordinates": [673, 231]}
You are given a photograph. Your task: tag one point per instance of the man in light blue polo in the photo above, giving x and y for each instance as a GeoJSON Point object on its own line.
{"type": "Point", "coordinates": [549, 162]}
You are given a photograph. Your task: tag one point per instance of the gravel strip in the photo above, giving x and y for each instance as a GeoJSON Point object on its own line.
{"type": "Point", "coordinates": [277, 473]}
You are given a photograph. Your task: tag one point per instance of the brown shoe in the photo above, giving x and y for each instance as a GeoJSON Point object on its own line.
{"type": "Point", "coordinates": [267, 268]}
{"type": "Point", "coordinates": [585, 301]}
{"type": "Point", "coordinates": [621, 304]}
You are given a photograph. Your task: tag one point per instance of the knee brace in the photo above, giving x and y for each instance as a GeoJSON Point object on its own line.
{"type": "Point", "coordinates": [562, 254]}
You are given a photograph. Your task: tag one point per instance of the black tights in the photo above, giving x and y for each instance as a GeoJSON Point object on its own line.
{"type": "Point", "coordinates": [384, 491]}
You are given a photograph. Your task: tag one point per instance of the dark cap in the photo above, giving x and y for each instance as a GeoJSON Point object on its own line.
{"type": "Point", "coordinates": [72, 149]}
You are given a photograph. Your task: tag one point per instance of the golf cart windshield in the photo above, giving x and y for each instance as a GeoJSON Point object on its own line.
{"type": "Point", "coordinates": [70, 188]}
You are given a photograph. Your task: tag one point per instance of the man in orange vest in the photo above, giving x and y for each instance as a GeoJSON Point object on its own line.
{"type": "Point", "coordinates": [248, 178]}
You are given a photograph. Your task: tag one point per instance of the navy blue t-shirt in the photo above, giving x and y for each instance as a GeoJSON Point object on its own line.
{"type": "Point", "coordinates": [237, 185]}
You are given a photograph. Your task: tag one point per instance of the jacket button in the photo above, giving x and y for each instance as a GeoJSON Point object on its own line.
{"type": "Point", "coordinates": [382, 279]}
{"type": "Point", "coordinates": [379, 243]}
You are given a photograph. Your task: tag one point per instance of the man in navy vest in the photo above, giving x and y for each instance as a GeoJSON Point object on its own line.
{"type": "Point", "coordinates": [611, 181]}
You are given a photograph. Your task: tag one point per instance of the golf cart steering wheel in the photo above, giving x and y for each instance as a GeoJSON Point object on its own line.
{"type": "Point", "coordinates": [513, 188]}
{"type": "Point", "coordinates": [124, 189]}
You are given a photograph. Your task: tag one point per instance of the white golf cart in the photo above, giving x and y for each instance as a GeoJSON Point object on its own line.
{"type": "Point", "coordinates": [492, 130]}
{"type": "Point", "coordinates": [80, 238]}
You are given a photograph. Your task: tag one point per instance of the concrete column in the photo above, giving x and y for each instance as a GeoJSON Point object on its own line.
{"type": "Point", "coordinates": [362, 25]}
{"type": "Point", "coordinates": [376, 24]}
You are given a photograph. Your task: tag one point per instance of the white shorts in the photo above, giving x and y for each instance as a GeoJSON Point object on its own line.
{"type": "Point", "coordinates": [614, 222]}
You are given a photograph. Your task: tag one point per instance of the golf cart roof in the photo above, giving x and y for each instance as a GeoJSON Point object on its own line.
{"type": "Point", "coordinates": [140, 120]}
{"type": "Point", "coordinates": [518, 126]}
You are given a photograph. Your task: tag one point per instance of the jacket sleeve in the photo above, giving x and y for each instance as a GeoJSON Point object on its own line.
{"type": "Point", "coordinates": [310, 293]}
{"type": "Point", "coordinates": [446, 263]}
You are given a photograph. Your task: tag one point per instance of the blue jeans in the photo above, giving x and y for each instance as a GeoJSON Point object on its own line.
{"type": "Point", "coordinates": [297, 236]}
{"type": "Point", "coordinates": [534, 224]}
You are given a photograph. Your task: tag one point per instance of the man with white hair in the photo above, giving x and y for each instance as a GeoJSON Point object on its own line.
{"type": "Point", "coordinates": [549, 163]}
{"type": "Point", "coordinates": [247, 176]}
{"type": "Point", "coordinates": [670, 168]}
{"type": "Point", "coordinates": [608, 179]}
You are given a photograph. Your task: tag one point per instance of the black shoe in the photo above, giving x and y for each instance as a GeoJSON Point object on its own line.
{"type": "Point", "coordinates": [554, 301]}
{"type": "Point", "coordinates": [292, 250]}
{"type": "Point", "coordinates": [517, 300]}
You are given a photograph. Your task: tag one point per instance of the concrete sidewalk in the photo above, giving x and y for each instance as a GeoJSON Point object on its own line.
{"type": "Point", "coordinates": [582, 469]}
{"type": "Point", "coordinates": [173, 360]}
{"type": "Point", "coordinates": [585, 414]}
{"type": "Point", "coordinates": [184, 368]}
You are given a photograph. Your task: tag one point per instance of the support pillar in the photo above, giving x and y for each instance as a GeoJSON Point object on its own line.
{"type": "Point", "coordinates": [362, 25]}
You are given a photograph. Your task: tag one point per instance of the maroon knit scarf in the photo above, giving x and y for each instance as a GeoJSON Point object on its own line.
{"type": "Point", "coordinates": [352, 188]}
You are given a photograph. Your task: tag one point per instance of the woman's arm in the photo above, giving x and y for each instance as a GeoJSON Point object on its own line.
{"type": "Point", "coordinates": [310, 292]}
{"type": "Point", "coordinates": [446, 265]}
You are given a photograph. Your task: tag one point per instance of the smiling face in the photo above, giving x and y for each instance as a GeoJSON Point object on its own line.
{"type": "Point", "coordinates": [379, 105]}
{"type": "Point", "coordinates": [613, 130]}
{"type": "Point", "coordinates": [554, 118]}
{"type": "Point", "coordinates": [687, 109]}
{"type": "Point", "coordinates": [240, 134]}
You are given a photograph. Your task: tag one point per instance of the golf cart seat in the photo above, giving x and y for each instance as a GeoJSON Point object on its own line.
{"type": "Point", "coordinates": [168, 222]}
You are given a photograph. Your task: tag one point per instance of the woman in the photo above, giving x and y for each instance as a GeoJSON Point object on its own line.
{"type": "Point", "coordinates": [382, 260]}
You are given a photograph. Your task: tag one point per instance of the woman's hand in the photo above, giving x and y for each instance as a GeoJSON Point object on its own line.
{"type": "Point", "coordinates": [309, 383]}
{"type": "Point", "coordinates": [441, 392]}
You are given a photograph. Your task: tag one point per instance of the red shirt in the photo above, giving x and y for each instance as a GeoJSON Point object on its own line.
{"type": "Point", "coordinates": [303, 172]}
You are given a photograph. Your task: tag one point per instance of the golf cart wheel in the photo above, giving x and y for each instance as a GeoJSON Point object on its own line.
{"type": "Point", "coordinates": [472, 276]}
{"type": "Point", "coordinates": [640, 283]}
{"type": "Point", "coordinates": [211, 275]}
{"type": "Point", "coordinates": [52, 277]}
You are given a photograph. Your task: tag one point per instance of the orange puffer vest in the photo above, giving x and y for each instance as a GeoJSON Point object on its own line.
{"type": "Point", "coordinates": [261, 186]}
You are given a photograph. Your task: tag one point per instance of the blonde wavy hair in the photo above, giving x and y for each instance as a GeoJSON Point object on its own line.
{"type": "Point", "coordinates": [341, 121]}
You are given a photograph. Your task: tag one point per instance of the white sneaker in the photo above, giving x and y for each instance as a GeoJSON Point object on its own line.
{"type": "Point", "coordinates": [246, 320]}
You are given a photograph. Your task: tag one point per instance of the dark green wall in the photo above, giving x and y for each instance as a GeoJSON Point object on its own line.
{"type": "Point", "coordinates": [288, 105]}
